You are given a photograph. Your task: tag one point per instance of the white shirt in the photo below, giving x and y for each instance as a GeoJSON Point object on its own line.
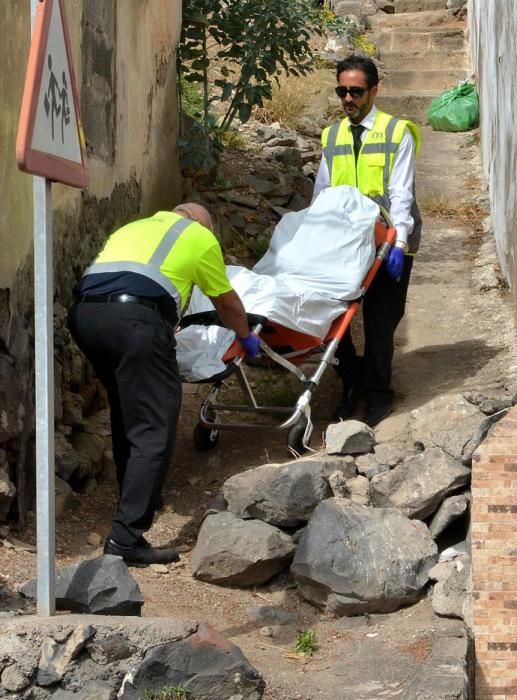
{"type": "Point", "coordinates": [400, 186]}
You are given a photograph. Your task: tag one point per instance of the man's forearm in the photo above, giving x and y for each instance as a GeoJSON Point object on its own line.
{"type": "Point", "coordinates": [232, 313]}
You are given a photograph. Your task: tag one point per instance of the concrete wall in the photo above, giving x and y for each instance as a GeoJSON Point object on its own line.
{"type": "Point", "coordinates": [125, 64]}
{"type": "Point", "coordinates": [493, 28]}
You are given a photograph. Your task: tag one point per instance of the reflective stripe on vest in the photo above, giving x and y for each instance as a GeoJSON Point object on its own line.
{"type": "Point", "coordinates": [151, 269]}
{"type": "Point", "coordinates": [384, 138]}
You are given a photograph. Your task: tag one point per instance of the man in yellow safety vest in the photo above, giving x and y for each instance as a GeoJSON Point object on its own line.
{"type": "Point", "coordinates": [375, 152]}
{"type": "Point", "coordinates": [126, 307]}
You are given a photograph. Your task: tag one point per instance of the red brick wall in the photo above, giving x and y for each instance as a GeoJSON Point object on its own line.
{"type": "Point", "coordinates": [494, 561]}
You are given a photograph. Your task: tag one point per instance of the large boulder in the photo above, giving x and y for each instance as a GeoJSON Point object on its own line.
{"type": "Point", "coordinates": [354, 560]}
{"type": "Point", "coordinates": [279, 494]}
{"type": "Point", "coordinates": [235, 552]}
{"type": "Point", "coordinates": [101, 586]}
{"type": "Point", "coordinates": [206, 665]}
{"type": "Point", "coordinates": [417, 487]}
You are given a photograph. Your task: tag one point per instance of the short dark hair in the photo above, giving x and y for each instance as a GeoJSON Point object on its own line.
{"type": "Point", "coordinates": [362, 63]}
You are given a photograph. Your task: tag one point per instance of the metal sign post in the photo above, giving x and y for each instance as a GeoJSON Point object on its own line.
{"type": "Point", "coordinates": [50, 143]}
{"type": "Point", "coordinates": [44, 370]}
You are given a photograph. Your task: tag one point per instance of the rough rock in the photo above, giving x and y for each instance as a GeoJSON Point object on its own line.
{"type": "Point", "coordinates": [102, 658]}
{"type": "Point", "coordinates": [451, 509]}
{"type": "Point", "coordinates": [205, 664]}
{"type": "Point", "coordinates": [450, 593]}
{"type": "Point", "coordinates": [101, 586]}
{"type": "Point", "coordinates": [338, 485]}
{"type": "Point", "coordinates": [237, 552]}
{"type": "Point", "coordinates": [68, 461]}
{"type": "Point", "coordinates": [359, 490]}
{"type": "Point", "coordinates": [7, 492]}
{"type": "Point", "coordinates": [73, 409]}
{"type": "Point", "coordinates": [353, 560]}
{"type": "Point", "coordinates": [389, 453]}
{"type": "Point", "coordinates": [331, 463]}
{"type": "Point", "coordinates": [418, 486]}
{"type": "Point", "coordinates": [445, 673]}
{"type": "Point", "coordinates": [349, 437]}
{"type": "Point", "coordinates": [13, 679]}
{"type": "Point", "coordinates": [10, 398]}
{"type": "Point", "coordinates": [368, 465]}
{"type": "Point", "coordinates": [64, 495]}
{"type": "Point", "coordinates": [280, 494]}
{"type": "Point", "coordinates": [265, 614]}
{"type": "Point", "coordinates": [55, 657]}
{"type": "Point", "coordinates": [91, 447]}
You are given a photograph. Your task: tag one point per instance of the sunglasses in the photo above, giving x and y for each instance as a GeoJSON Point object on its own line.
{"type": "Point", "coordinates": [355, 92]}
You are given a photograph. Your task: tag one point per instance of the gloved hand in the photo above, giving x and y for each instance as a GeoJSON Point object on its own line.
{"type": "Point", "coordinates": [251, 344]}
{"type": "Point", "coordinates": [395, 263]}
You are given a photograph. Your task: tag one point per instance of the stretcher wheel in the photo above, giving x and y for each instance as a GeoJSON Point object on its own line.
{"type": "Point", "coordinates": [295, 437]}
{"type": "Point", "coordinates": [205, 438]}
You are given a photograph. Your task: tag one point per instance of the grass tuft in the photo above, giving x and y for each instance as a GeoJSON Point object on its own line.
{"type": "Point", "coordinates": [306, 643]}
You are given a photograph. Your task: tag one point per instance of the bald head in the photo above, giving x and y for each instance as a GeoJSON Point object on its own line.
{"type": "Point", "coordinates": [195, 212]}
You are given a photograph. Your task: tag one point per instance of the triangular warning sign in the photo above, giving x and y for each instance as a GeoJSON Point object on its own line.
{"type": "Point", "coordinates": [50, 138]}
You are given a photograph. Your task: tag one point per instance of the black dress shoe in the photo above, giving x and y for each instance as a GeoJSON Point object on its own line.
{"type": "Point", "coordinates": [142, 554]}
{"type": "Point", "coordinates": [375, 412]}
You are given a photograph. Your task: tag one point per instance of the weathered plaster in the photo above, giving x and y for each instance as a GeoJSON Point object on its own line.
{"type": "Point", "coordinates": [125, 65]}
{"type": "Point", "coordinates": [493, 28]}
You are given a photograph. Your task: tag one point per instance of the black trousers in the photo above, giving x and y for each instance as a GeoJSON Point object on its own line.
{"type": "Point", "coordinates": [132, 349]}
{"type": "Point", "coordinates": [383, 309]}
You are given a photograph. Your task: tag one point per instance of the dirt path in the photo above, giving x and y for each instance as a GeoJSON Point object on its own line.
{"type": "Point", "coordinates": [455, 338]}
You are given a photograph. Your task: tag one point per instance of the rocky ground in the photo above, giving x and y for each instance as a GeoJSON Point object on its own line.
{"type": "Point", "coordinates": [457, 337]}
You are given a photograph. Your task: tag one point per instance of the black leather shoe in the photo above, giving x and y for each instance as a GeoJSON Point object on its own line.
{"type": "Point", "coordinates": [375, 412]}
{"type": "Point", "coordinates": [141, 554]}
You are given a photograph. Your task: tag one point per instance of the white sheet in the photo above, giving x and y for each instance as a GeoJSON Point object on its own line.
{"type": "Point", "coordinates": [316, 262]}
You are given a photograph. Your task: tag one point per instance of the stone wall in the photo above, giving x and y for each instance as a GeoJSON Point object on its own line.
{"type": "Point", "coordinates": [125, 64]}
{"type": "Point", "coordinates": [492, 40]}
{"type": "Point", "coordinates": [494, 561]}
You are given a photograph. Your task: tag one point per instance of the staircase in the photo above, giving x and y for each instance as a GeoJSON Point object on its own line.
{"type": "Point", "coordinates": [423, 52]}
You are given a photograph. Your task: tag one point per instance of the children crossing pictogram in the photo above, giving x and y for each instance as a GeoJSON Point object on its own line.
{"type": "Point", "coordinates": [50, 137]}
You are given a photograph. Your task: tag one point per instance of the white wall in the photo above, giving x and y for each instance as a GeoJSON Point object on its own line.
{"type": "Point", "coordinates": [493, 38]}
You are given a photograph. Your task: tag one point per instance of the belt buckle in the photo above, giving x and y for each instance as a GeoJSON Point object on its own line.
{"type": "Point", "coordinates": [124, 297]}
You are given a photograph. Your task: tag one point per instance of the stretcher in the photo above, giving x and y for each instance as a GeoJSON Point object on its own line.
{"type": "Point", "coordinates": [285, 348]}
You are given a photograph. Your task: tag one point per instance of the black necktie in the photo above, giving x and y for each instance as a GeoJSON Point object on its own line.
{"type": "Point", "coordinates": [357, 130]}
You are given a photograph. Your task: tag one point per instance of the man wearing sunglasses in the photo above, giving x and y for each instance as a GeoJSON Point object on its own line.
{"type": "Point", "coordinates": [375, 152]}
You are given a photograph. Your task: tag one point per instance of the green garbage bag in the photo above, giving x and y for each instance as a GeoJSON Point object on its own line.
{"type": "Point", "coordinates": [456, 109]}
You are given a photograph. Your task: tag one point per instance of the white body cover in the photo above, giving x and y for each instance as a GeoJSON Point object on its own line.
{"type": "Point", "coordinates": [315, 263]}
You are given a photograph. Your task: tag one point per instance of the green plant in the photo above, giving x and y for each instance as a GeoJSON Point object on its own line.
{"type": "Point", "coordinates": [169, 692]}
{"type": "Point", "coordinates": [246, 45]}
{"type": "Point", "coordinates": [346, 28]}
{"type": "Point", "coordinates": [233, 139]}
{"type": "Point", "coordinates": [306, 643]}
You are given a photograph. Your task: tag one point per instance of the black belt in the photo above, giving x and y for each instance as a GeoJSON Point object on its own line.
{"type": "Point", "coordinates": [122, 298]}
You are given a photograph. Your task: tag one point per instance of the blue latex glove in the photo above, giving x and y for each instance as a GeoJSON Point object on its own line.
{"type": "Point", "coordinates": [251, 344]}
{"type": "Point", "coordinates": [395, 263]}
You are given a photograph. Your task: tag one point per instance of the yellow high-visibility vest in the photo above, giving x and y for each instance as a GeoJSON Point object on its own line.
{"type": "Point", "coordinates": [156, 248]}
{"type": "Point", "coordinates": [371, 174]}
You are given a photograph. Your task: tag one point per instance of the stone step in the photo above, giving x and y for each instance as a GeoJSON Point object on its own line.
{"type": "Point", "coordinates": [416, 40]}
{"type": "Point", "coordinates": [419, 5]}
{"type": "Point", "coordinates": [407, 104]}
{"type": "Point", "coordinates": [425, 60]}
{"type": "Point", "coordinates": [412, 20]}
{"type": "Point", "coordinates": [429, 79]}
{"type": "Point", "coordinates": [342, 8]}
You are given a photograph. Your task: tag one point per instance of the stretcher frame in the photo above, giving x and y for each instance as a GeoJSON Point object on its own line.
{"type": "Point", "coordinates": [298, 423]}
